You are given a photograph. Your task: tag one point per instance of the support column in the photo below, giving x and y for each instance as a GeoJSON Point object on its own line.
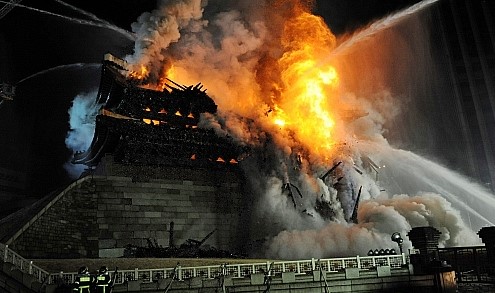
{"type": "Point", "coordinates": [487, 235]}
{"type": "Point", "coordinates": [425, 239]}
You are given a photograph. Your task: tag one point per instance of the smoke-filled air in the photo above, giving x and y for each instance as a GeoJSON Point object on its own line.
{"type": "Point", "coordinates": [314, 109]}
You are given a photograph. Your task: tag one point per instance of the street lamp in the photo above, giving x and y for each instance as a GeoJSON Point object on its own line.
{"type": "Point", "coordinates": [397, 238]}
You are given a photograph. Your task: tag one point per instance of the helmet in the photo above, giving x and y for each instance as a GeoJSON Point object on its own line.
{"type": "Point", "coordinates": [83, 270]}
{"type": "Point", "coordinates": [103, 270]}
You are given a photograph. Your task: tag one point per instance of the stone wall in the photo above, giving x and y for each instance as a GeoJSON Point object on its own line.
{"type": "Point", "coordinates": [103, 214]}
{"type": "Point", "coordinates": [130, 212]}
{"type": "Point", "coordinates": [67, 229]}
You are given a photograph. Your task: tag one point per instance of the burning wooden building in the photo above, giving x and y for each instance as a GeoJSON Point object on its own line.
{"type": "Point", "coordinates": [150, 165]}
{"type": "Point", "coordinates": [143, 126]}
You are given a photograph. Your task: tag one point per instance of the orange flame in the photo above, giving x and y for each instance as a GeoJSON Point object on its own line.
{"type": "Point", "coordinates": [142, 74]}
{"type": "Point", "coordinates": [302, 102]}
{"type": "Point", "coordinates": [170, 73]}
{"type": "Point", "coordinates": [304, 106]}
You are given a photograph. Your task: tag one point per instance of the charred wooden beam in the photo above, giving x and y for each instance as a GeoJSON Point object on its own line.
{"type": "Point", "coordinates": [288, 188]}
{"type": "Point", "coordinates": [330, 171]}
{"type": "Point", "coordinates": [356, 206]}
{"type": "Point", "coordinates": [176, 84]}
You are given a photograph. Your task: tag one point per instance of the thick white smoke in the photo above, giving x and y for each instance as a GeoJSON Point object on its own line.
{"type": "Point", "coordinates": [227, 46]}
{"type": "Point", "coordinates": [232, 47]}
{"type": "Point", "coordinates": [378, 219]}
{"type": "Point", "coordinates": [156, 30]}
{"type": "Point", "coordinates": [82, 121]}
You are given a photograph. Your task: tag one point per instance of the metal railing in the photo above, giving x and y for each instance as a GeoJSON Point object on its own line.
{"type": "Point", "coordinates": [22, 264]}
{"type": "Point", "coordinates": [299, 267]}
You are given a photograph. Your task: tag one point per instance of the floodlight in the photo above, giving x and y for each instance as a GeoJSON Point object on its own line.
{"type": "Point", "coordinates": [398, 239]}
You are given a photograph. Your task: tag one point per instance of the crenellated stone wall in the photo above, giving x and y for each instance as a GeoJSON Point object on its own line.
{"type": "Point", "coordinates": [101, 215]}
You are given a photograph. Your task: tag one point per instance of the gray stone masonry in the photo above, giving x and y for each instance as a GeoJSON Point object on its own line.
{"type": "Point", "coordinates": [145, 209]}
{"type": "Point", "coordinates": [106, 213]}
{"type": "Point", "coordinates": [66, 230]}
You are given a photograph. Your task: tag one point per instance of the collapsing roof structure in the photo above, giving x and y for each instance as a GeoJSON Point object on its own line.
{"type": "Point", "coordinates": [150, 127]}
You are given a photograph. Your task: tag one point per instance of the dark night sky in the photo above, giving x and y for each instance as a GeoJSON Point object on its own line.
{"type": "Point", "coordinates": [33, 128]}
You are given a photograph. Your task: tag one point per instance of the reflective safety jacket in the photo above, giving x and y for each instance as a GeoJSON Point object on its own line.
{"type": "Point", "coordinates": [83, 283]}
{"type": "Point", "coordinates": [103, 283]}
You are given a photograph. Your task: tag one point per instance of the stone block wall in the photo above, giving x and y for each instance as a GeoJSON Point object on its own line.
{"type": "Point", "coordinates": [106, 213]}
{"type": "Point", "coordinates": [130, 212]}
{"type": "Point", "coordinates": [67, 229]}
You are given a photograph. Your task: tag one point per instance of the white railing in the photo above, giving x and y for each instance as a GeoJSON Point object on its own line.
{"type": "Point", "coordinates": [299, 267]}
{"type": "Point", "coordinates": [24, 265]}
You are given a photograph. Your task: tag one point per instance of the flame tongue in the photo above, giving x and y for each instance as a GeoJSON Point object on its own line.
{"type": "Point", "coordinates": [304, 104]}
{"type": "Point", "coordinates": [294, 71]}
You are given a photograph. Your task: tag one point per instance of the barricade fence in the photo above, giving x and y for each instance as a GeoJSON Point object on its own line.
{"type": "Point", "coordinates": [299, 267]}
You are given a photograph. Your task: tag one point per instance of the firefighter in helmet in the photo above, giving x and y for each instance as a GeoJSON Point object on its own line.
{"type": "Point", "coordinates": [82, 283]}
{"type": "Point", "coordinates": [103, 280]}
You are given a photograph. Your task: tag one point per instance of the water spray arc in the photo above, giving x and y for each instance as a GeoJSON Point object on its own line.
{"type": "Point", "coordinates": [8, 7]}
{"type": "Point", "coordinates": [121, 31]}
{"type": "Point", "coordinates": [381, 25]}
{"type": "Point", "coordinates": [278, 93]}
{"type": "Point", "coordinates": [60, 67]}
{"type": "Point", "coordinates": [86, 13]}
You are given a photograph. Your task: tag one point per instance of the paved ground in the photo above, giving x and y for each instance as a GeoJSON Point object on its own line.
{"type": "Point", "coordinates": [72, 265]}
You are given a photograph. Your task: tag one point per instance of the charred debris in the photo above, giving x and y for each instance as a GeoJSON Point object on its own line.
{"type": "Point", "coordinates": [191, 248]}
{"type": "Point", "coordinates": [149, 127]}
{"type": "Point", "coordinates": [333, 177]}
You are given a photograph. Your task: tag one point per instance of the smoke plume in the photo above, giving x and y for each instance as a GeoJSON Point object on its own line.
{"type": "Point", "coordinates": [82, 119]}
{"type": "Point", "coordinates": [285, 87]}
{"type": "Point", "coordinates": [378, 219]}
{"type": "Point", "coordinates": [268, 68]}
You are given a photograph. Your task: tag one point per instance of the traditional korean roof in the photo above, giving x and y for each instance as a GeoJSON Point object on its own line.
{"type": "Point", "coordinates": [155, 127]}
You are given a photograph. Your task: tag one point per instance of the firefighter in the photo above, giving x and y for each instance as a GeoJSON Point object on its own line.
{"type": "Point", "coordinates": [103, 281]}
{"type": "Point", "coordinates": [83, 281]}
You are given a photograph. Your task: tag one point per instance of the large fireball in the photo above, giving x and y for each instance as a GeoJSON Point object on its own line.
{"type": "Point", "coordinates": [283, 86]}
{"type": "Point", "coordinates": [303, 108]}
{"type": "Point", "coordinates": [305, 104]}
